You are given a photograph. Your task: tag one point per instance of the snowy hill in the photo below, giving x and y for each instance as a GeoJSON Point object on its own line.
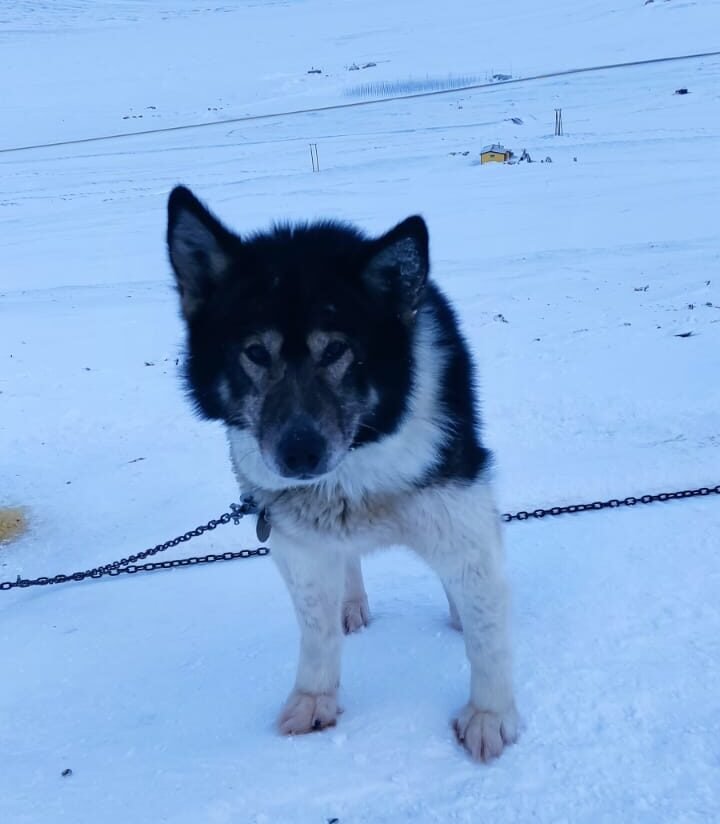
{"type": "Point", "coordinates": [578, 282]}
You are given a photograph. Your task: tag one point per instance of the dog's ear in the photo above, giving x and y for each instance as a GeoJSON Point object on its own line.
{"type": "Point", "coordinates": [399, 264]}
{"type": "Point", "coordinates": [200, 248]}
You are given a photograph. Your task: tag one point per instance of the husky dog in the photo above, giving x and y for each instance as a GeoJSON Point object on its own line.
{"type": "Point", "coordinates": [347, 392]}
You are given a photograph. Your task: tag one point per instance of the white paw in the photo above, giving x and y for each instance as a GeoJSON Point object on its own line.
{"type": "Point", "coordinates": [307, 712]}
{"type": "Point", "coordinates": [485, 734]}
{"type": "Point", "coordinates": [355, 615]}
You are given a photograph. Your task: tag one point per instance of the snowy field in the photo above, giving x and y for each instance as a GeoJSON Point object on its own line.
{"type": "Point", "coordinates": [577, 281]}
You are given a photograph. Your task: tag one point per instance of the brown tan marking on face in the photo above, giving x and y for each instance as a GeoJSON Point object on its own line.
{"type": "Point", "coordinates": [288, 404]}
{"type": "Point", "coordinates": [331, 353]}
{"type": "Point", "coordinates": [260, 358]}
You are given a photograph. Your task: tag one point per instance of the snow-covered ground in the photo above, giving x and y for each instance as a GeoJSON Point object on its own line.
{"type": "Point", "coordinates": [575, 280]}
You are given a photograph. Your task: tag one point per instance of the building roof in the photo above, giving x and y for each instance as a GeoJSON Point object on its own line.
{"type": "Point", "coordinates": [495, 147]}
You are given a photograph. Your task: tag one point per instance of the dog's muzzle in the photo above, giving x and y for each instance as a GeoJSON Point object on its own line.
{"type": "Point", "coordinates": [302, 452]}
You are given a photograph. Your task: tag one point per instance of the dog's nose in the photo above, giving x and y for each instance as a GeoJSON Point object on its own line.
{"type": "Point", "coordinates": [301, 451]}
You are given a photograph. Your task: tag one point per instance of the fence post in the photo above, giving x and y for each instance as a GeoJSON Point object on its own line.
{"type": "Point", "coordinates": [314, 157]}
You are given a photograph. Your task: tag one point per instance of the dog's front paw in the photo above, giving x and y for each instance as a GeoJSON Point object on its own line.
{"type": "Point", "coordinates": [355, 614]}
{"type": "Point", "coordinates": [307, 712]}
{"type": "Point", "coordinates": [485, 734]}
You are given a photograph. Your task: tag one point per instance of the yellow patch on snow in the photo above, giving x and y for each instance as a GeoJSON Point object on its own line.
{"type": "Point", "coordinates": [12, 523]}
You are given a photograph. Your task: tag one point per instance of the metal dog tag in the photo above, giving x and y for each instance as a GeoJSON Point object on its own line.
{"type": "Point", "coordinates": [263, 528]}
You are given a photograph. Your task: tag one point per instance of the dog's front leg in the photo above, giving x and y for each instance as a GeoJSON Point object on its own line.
{"type": "Point", "coordinates": [464, 545]}
{"type": "Point", "coordinates": [488, 722]}
{"type": "Point", "coordinates": [315, 578]}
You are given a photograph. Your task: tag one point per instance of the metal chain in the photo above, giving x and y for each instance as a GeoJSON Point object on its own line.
{"type": "Point", "coordinates": [130, 566]}
{"type": "Point", "coordinates": [613, 503]}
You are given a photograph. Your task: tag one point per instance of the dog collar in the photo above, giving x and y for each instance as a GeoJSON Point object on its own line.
{"type": "Point", "coordinates": [251, 507]}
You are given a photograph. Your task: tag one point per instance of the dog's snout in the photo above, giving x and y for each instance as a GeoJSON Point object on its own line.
{"type": "Point", "coordinates": [302, 451]}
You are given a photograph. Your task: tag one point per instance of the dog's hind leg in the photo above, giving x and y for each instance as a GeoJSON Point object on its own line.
{"type": "Point", "coordinates": [355, 609]}
{"type": "Point", "coordinates": [455, 621]}
{"type": "Point", "coordinates": [315, 579]}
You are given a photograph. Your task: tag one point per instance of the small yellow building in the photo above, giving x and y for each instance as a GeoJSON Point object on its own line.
{"type": "Point", "coordinates": [495, 154]}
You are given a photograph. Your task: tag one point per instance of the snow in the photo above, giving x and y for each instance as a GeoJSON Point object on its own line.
{"type": "Point", "coordinates": [573, 278]}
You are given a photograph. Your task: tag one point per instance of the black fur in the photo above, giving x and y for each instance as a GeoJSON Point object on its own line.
{"type": "Point", "coordinates": [327, 276]}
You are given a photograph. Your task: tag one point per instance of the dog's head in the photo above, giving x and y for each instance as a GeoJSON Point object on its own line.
{"type": "Point", "coordinates": [301, 335]}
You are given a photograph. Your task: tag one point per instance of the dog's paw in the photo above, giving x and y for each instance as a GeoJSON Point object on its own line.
{"type": "Point", "coordinates": [485, 734]}
{"type": "Point", "coordinates": [355, 615]}
{"type": "Point", "coordinates": [307, 712]}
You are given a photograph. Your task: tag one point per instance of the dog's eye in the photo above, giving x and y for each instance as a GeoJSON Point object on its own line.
{"type": "Point", "coordinates": [259, 355]}
{"type": "Point", "coordinates": [333, 352]}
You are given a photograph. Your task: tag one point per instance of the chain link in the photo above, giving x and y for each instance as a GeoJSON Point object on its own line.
{"type": "Point", "coordinates": [613, 503]}
{"type": "Point", "coordinates": [130, 566]}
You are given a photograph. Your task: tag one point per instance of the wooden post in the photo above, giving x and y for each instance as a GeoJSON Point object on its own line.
{"type": "Point", "coordinates": [314, 157]}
